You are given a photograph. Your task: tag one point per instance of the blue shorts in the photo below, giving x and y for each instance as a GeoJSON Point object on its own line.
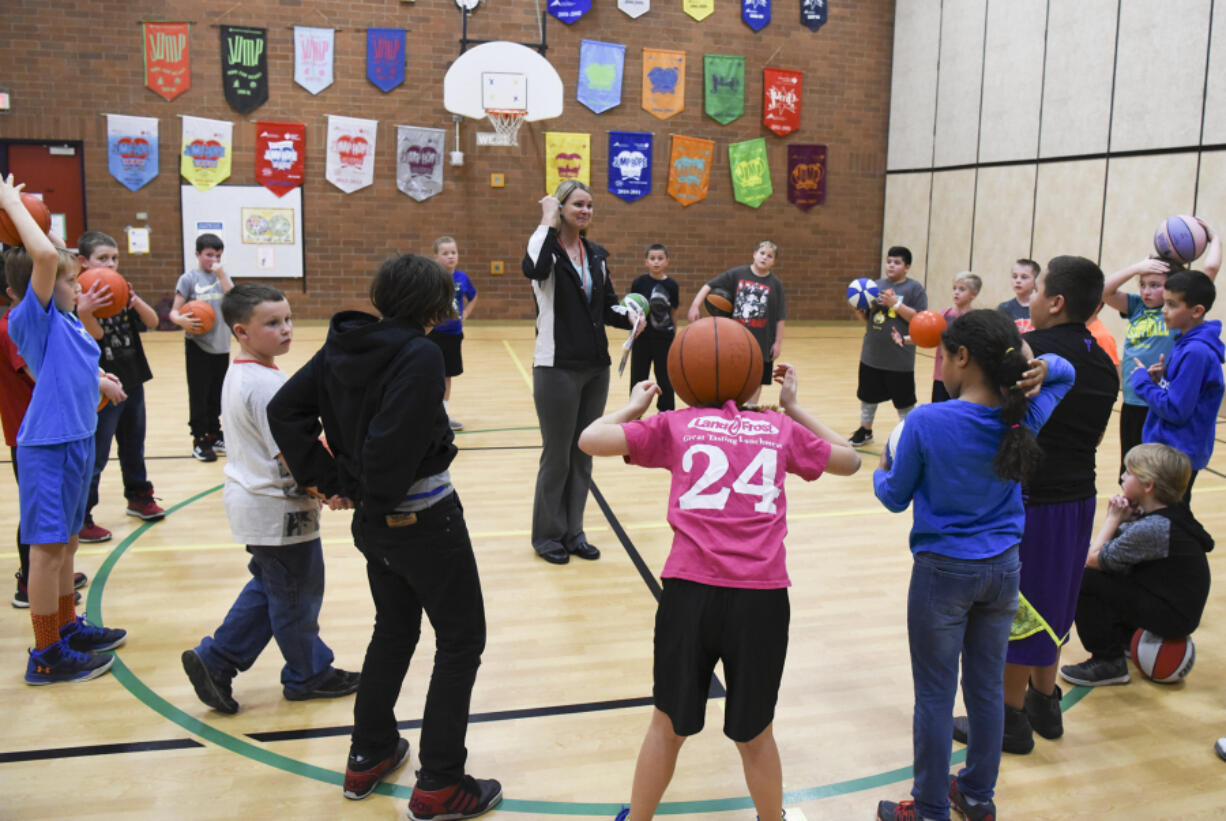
{"type": "Point", "coordinates": [53, 482]}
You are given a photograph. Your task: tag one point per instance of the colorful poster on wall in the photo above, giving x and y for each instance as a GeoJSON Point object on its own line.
{"type": "Point", "coordinates": [781, 100]}
{"type": "Point", "coordinates": [751, 172]}
{"type": "Point", "coordinates": [205, 153]}
{"type": "Point", "coordinates": [314, 53]}
{"type": "Point", "coordinates": [601, 66]}
{"type": "Point", "coordinates": [244, 67]}
{"type": "Point", "coordinates": [419, 160]}
{"type": "Point", "coordinates": [634, 8]}
{"type": "Point", "coordinates": [268, 226]}
{"type": "Point", "coordinates": [568, 11]}
{"type": "Point", "coordinates": [568, 156]}
{"type": "Point", "coordinates": [724, 87]}
{"type": "Point", "coordinates": [280, 154]}
{"type": "Point", "coordinates": [629, 164]}
{"type": "Point", "coordinates": [806, 175]}
{"type": "Point", "coordinates": [132, 149]}
{"type": "Point", "coordinates": [385, 56]}
{"type": "Point", "coordinates": [168, 65]}
{"type": "Point", "coordinates": [812, 14]}
{"type": "Point", "coordinates": [756, 13]}
{"type": "Point", "coordinates": [663, 82]}
{"type": "Point", "coordinates": [689, 169]}
{"type": "Point", "coordinates": [698, 9]}
{"type": "Point", "coordinates": [351, 152]}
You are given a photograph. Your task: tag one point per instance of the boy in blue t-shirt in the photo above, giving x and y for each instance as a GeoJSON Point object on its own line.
{"type": "Point", "coordinates": [56, 446]}
{"type": "Point", "coordinates": [449, 335]}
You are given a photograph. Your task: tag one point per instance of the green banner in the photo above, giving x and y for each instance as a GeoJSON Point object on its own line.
{"type": "Point", "coordinates": [724, 87]}
{"type": "Point", "coordinates": [751, 173]}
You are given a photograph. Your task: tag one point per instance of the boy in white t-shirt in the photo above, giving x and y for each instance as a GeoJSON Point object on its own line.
{"type": "Point", "coordinates": [277, 521]}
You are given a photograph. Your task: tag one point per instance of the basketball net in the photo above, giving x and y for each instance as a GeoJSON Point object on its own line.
{"type": "Point", "coordinates": [506, 123]}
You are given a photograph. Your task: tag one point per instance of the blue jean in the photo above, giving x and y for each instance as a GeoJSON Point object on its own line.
{"type": "Point", "coordinates": [281, 601]}
{"type": "Point", "coordinates": [125, 423]}
{"type": "Point", "coordinates": [959, 607]}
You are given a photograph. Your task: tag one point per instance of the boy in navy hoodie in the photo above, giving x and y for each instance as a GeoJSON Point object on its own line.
{"type": "Point", "coordinates": [1184, 393]}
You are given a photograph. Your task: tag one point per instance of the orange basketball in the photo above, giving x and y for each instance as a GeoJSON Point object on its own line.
{"type": "Point", "coordinates": [714, 360]}
{"type": "Point", "coordinates": [926, 328]}
{"type": "Point", "coordinates": [37, 209]}
{"type": "Point", "coordinates": [120, 292]}
{"type": "Point", "coordinates": [202, 311]}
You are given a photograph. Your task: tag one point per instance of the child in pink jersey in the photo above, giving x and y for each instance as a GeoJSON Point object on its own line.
{"type": "Point", "coordinates": [725, 581]}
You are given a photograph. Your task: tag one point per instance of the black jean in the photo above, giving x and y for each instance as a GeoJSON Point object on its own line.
{"type": "Point", "coordinates": [1110, 608]}
{"type": "Point", "coordinates": [651, 351]}
{"type": "Point", "coordinates": [205, 374]}
{"type": "Point", "coordinates": [424, 566]}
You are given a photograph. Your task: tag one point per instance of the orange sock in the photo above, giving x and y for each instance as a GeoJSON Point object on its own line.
{"type": "Point", "coordinates": [68, 609]}
{"type": "Point", "coordinates": [46, 630]}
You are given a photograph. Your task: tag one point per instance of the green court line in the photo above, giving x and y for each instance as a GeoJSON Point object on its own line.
{"type": "Point", "coordinates": [256, 752]}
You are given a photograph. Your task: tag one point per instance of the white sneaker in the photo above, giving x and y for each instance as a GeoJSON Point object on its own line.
{"type": "Point", "coordinates": [456, 424]}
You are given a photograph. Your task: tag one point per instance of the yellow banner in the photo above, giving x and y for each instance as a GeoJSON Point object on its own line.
{"type": "Point", "coordinates": [698, 9]}
{"type": "Point", "coordinates": [663, 82]}
{"type": "Point", "coordinates": [205, 152]}
{"type": "Point", "coordinates": [568, 156]}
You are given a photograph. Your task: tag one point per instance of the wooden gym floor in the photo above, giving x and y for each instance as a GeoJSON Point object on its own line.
{"type": "Point", "coordinates": [563, 696]}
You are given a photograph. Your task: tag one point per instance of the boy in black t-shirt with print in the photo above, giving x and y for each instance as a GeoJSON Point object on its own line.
{"type": "Point", "coordinates": [651, 347]}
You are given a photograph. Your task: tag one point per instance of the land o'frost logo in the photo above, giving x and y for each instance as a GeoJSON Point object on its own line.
{"type": "Point", "coordinates": [737, 426]}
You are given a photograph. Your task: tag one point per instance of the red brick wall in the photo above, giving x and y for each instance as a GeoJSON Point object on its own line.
{"type": "Point", "coordinates": [82, 59]}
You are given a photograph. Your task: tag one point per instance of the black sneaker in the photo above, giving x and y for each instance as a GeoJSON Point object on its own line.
{"type": "Point", "coordinates": [985, 811]}
{"type": "Point", "coordinates": [900, 811]}
{"type": "Point", "coordinates": [467, 799]}
{"type": "Point", "coordinates": [862, 436]}
{"type": "Point", "coordinates": [1044, 712]}
{"type": "Point", "coordinates": [214, 693]}
{"type": "Point", "coordinates": [218, 443]}
{"type": "Point", "coordinates": [1096, 672]}
{"type": "Point", "coordinates": [338, 683]}
{"type": "Point", "coordinates": [1018, 737]}
{"type": "Point", "coordinates": [363, 773]}
{"type": "Point", "coordinates": [21, 596]}
{"type": "Point", "coordinates": [59, 663]}
{"type": "Point", "coordinates": [84, 637]}
{"type": "Point", "coordinates": [1220, 748]}
{"type": "Point", "coordinates": [202, 450]}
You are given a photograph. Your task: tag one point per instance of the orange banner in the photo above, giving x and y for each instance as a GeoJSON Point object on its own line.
{"type": "Point", "coordinates": [689, 169]}
{"type": "Point", "coordinates": [663, 82]}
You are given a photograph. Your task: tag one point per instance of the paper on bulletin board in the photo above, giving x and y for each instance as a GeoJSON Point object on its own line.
{"type": "Point", "coordinates": [268, 226]}
{"type": "Point", "coordinates": [59, 225]}
{"type": "Point", "coordinates": [265, 258]}
{"type": "Point", "coordinates": [138, 240]}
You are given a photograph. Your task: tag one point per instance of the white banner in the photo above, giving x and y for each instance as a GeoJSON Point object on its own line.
{"type": "Point", "coordinates": [313, 53]}
{"type": "Point", "coordinates": [419, 160]}
{"type": "Point", "coordinates": [635, 8]}
{"type": "Point", "coordinates": [351, 152]}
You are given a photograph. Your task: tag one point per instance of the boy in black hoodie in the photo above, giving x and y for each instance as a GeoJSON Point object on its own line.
{"type": "Point", "coordinates": [377, 386]}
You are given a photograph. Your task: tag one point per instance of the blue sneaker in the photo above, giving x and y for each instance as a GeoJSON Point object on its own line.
{"type": "Point", "coordinates": [59, 662]}
{"type": "Point", "coordinates": [84, 637]}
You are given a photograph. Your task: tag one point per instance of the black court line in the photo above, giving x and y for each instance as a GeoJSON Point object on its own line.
{"type": "Point", "coordinates": [99, 749]}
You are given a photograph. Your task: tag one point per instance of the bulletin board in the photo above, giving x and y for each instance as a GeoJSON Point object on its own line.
{"type": "Point", "coordinates": [262, 232]}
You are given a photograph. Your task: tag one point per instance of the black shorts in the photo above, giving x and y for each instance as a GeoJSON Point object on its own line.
{"type": "Point", "coordinates": [939, 394]}
{"type": "Point", "coordinates": [697, 625]}
{"type": "Point", "coordinates": [877, 386]}
{"type": "Point", "coordinates": [768, 367]}
{"type": "Point", "coordinates": [453, 362]}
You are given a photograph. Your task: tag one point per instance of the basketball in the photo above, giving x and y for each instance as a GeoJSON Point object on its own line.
{"type": "Point", "coordinates": [714, 360]}
{"type": "Point", "coordinates": [636, 302]}
{"type": "Point", "coordinates": [861, 293]}
{"type": "Point", "coordinates": [719, 303]}
{"type": "Point", "coordinates": [1180, 239]}
{"type": "Point", "coordinates": [926, 328]}
{"type": "Point", "coordinates": [120, 292]}
{"type": "Point", "coordinates": [1165, 661]}
{"type": "Point", "coordinates": [37, 209]}
{"type": "Point", "coordinates": [202, 311]}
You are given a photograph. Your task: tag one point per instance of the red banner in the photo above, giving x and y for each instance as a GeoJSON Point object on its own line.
{"type": "Point", "coordinates": [781, 100]}
{"type": "Point", "coordinates": [168, 69]}
{"type": "Point", "coordinates": [279, 152]}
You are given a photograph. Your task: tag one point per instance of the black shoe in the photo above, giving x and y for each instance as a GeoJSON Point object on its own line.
{"type": "Point", "coordinates": [1044, 712]}
{"type": "Point", "coordinates": [202, 450]}
{"type": "Point", "coordinates": [1096, 672]}
{"type": "Point", "coordinates": [1017, 739]}
{"type": "Point", "coordinates": [984, 811]}
{"type": "Point", "coordinates": [338, 683]}
{"type": "Point", "coordinates": [467, 799]}
{"type": "Point", "coordinates": [212, 692]}
{"type": "Point", "coordinates": [584, 551]}
{"type": "Point", "coordinates": [554, 555]}
{"type": "Point", "coordinates": [363, 773]}
{"type": "Point", "coordinates": [862, 436]}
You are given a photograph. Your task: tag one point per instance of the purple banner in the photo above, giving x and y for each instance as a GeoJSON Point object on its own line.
{"type": "Point", "coordinates": [756, 13]}
{"type": "Point", "coordinates": [568, 11]}
{"type": "Point", "coordinates": [385, 57]}
{"type": "Point", "coordinates": [629, 164]}
{"type": "Point", "coordinates": [806, 175]}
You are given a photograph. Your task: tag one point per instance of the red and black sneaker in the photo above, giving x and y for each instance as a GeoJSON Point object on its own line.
{"type": "Point", "coordinates": [467, 799]}
{"type": "Point", "coordinates": [144, 507]}
{"type": "Point", "coordinates": [363, 773]}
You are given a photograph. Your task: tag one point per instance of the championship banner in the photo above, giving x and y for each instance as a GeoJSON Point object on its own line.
{"type": "Point", "coordinates": [663, 82]}
{"type": "Point", "coordinates": [568, 156]}
{"type": "Point", "coordinates": [314, 50]}
{"type": "Point", "coordinates": [751, 172]}
{"type": "Point", "coordinates": [756, 13]}
{"type": "Point", "coordinates": [806, 175]}
{"type": "Point", "coordinates": [689, 169]}
{"type": "Point", "coordinates": [168, 65]}
{"type": "Point", "coordinates": [132, 149]}
{"type": "Point", "coordinates": [351, 152]}
{"type": "Point", "coordinates": [385, 58]}
{"type": "Point", "coordinates": [568, 11]}
{"type": "Point", "coordinates": [206, 151]}
{"type": "Point", "coordinates": [280, 154]}
{"type": "Point", "coordinates": [781, 100]}
{"type": "Point", "coordinates": [634, 8]}
{"type": "Point", "coordinates": [724, 87]}
{"type": "Point", "coordinates": [601, 66]}
{"type": "Point", "coordinates": [244, 67]}
{"type": "Point", "coordinates": [698, 9]}
{"type": "Point", "coordinates": [629, 164]}
{"type": "Point", "coordinates": [812, 13]}
{"type": "Point", "coordinates": [419, 160]}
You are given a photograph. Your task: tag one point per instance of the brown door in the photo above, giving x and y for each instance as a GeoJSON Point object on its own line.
{"type": "Point", "coordinates": [55, 170]}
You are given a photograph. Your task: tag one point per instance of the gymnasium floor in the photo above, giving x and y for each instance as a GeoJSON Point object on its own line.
{"type": "Point", "coordinates": [563, 696]}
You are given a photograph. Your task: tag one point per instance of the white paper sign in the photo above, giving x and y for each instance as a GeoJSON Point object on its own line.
{"type": "Point", "coordinates": [138, 240]}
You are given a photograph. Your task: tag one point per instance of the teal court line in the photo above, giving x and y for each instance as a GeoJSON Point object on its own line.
{"type": "Point", "coordinates": [133, 684]}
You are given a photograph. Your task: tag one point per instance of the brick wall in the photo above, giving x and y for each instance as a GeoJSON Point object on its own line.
{"type": "Point", "coordinates": [82, 59]}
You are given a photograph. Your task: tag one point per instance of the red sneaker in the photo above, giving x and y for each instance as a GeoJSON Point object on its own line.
{"type": "Point", "coordinates": [144, 507]}
{"type": "Point", "coordinates": [93, 533]}
{"type": "Point", "coordinates": [467, 799]}
{"type": "Point", "coordinates": [362, 774]}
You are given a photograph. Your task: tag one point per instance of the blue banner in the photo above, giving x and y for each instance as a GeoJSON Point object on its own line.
{"type": "Point", "coordinates": [812, 13]}
{"type": "Point", "coordinates": [385, 57]}
{"type": "Point", "coordinates": [629, 164]}
{"type": "Point", "coordinates": [132, 149]}
{"type": "Point", "coordinates": [600, 74]}
{"type": "Point", "coordinates": [756, 13]}
{"type": "Point", "coordinates": [568, 11]}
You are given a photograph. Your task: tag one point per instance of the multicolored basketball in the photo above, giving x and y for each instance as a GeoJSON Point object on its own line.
{"type": "Point", "coordinates": [638, 301]}
{"type": "Point", "coordinates": [203, 311]}
{"type": "Point", "coordinates": [926, 328]}
{"type": "Point", "coordinates": [714, 360]}
{"type": "Point", "coordinates": [120, 291]}
{"type": "Point", "coordinates": [718, 302]}
{"type": "Point", "coordinates": [1165, 661]}
{"type": "Point", "coordinates": [861, 293]}
{"type": "Point", "coordinates": [38, 210]}
{"type": "Point", "coordinates": [1180, 239]}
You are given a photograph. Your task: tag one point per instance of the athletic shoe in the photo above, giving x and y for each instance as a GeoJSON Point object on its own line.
{"type": "Point", "coordinates": [862, 436]}
{"type": "Point", "coordinates": [1220, 748]}
{"type": "Point", "coordinates": [1044, 712]}
{"type": "Point", "coordinates": [456, 424]}
{"type": "Point", "coordinates": [622, 814]}
{"type": "Point", "coordinates": [21, 597]}
{"type": "Point", "coordinates": [338, 683]}
{"type": "Point", "coordinates": [467, 799]}
{"type": "Point", "coordinates": [218, 443]}
{"type": "Point", "coordinates": [363, 773]}
{"type": "Point", "coordinates": [902, 811]}
{"type": "Point", "coordinates": [59, 662]}
{"type": "Point", "coordinates": [984, 811]}
{"type": "Point", "coordinates": [92, 533]}
{"type": "Point", "coordinates": [84, 637]}
{"type": "Point", "coordinates": [213, 692]}
{"type": "Point", "coordinates": [144, 507]}
{"type": "Point", "coordinates": [79, 580]}
{"type": "Point", "coordinates": [1096, 672]}
{"type": "Point", "coordinates": [1018, 737]}
{"type": "Point", "coordinates": [203, 451]}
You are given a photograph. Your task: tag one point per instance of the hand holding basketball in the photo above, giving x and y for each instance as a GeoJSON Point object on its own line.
{"type": "Point", "coordinates": [12, 198]}
{"type": "Point", "coordinates": [925, 328]}
{"type": "Point", "coordinates": [111, 389]}
{"type": "Point", "coordinates": [640, 395]}
{"type": "Point", "coordinates": [97, 295]}
{"type": "Point", "coordinates": [197, 317]}
{"type": "Point", "coordinates": [1032, 378]}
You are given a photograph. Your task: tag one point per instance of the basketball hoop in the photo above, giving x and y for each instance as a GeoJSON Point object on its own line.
{"type": "Point", "coordinates": [506, 123]}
